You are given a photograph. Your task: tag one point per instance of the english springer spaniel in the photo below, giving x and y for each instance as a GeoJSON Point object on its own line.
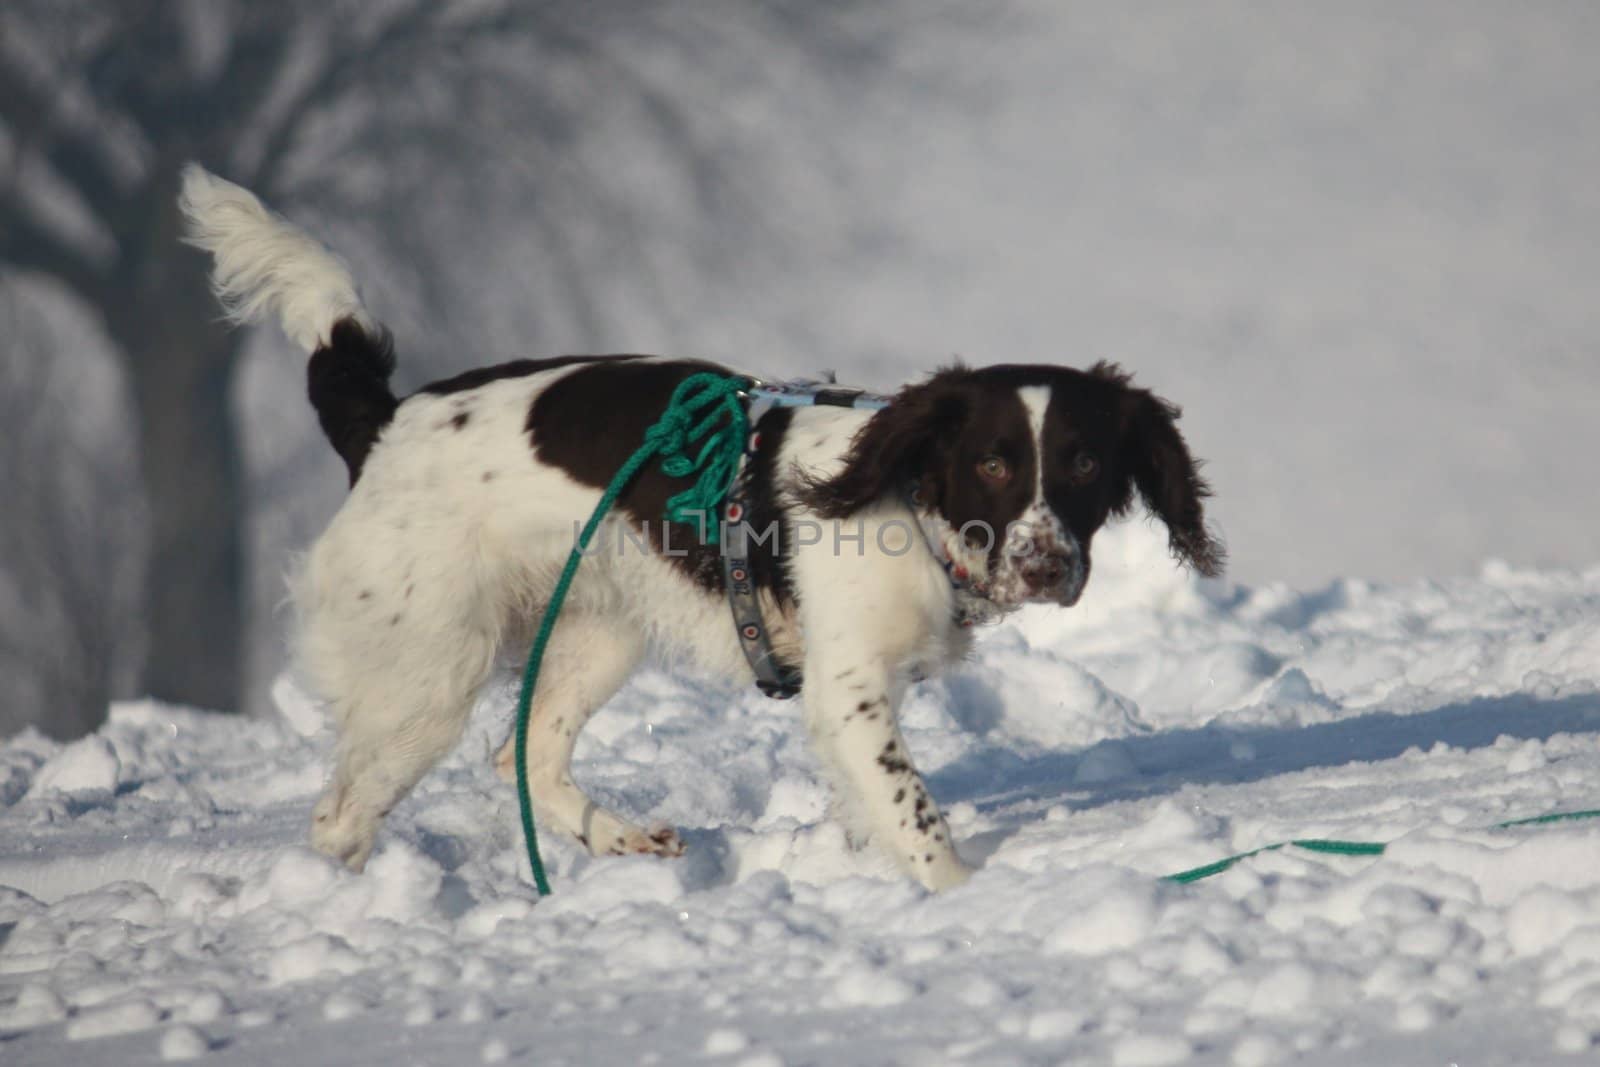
{"type": "Point", "coordinates": [878, 537]}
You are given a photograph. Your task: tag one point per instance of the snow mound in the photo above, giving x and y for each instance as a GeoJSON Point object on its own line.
{"type": "Point", "coordinates": [86, 769]}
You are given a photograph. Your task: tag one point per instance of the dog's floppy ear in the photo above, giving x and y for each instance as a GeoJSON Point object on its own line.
{"type": "Point", "coordinates": [904, 443]}
{"type": "Point", "coordinates": [1157, 462]}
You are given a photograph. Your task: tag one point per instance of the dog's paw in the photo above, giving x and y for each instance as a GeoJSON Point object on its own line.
{"type": "Point", "coordinates": [630, 840]}
{"type": "Point", "coordinates": [666, 841]}
{"type": "Point", "coordinates": [940, 872]}
{"type": "Point", "coordinates": [335, 835]}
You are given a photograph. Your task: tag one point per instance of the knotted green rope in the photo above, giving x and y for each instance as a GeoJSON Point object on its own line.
{"type": "Point", "coordinates": [703, 406]}
{"type": "Point", "coordinates": [1352, 848]}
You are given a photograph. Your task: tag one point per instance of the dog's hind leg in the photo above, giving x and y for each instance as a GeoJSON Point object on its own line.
{"type": "Point", "coordinates": [587, 660]}
{"type": "Point", "coordinates": [381, 757]}
{"type": "Point", "coordinates": [400, 670]}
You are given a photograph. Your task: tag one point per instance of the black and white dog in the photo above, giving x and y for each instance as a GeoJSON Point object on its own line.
{"type": "Point", "coordinates": [973, 492]}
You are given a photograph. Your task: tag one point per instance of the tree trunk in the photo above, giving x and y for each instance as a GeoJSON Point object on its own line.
{"type": "Point", "coordinates": [181, 362]}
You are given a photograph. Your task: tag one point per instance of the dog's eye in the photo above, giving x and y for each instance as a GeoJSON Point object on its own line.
{"type": "Point", "coordinates": [1084, 468]}
{"type": "Point", "coordinates": [995, 469]}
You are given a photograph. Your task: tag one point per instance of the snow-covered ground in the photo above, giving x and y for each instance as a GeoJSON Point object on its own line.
{"type": "Point", "coordinates": [162, 903]}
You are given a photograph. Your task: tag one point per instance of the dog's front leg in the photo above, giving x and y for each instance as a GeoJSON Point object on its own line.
{"type": "Point", "coordinates": [851, 706]}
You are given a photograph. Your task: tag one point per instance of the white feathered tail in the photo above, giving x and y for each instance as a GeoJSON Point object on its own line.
{"type": "Point", "coordinates": [264, 264]}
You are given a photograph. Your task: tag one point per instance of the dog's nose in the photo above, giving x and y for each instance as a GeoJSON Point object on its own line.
{"type": "Point", "coordinates": [1057, 577]}
{"type": "Point", "coordinates": [1047, 573]}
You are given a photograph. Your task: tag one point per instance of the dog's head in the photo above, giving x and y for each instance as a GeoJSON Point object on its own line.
{"type": "Point", "coordinates": [1018, 466]}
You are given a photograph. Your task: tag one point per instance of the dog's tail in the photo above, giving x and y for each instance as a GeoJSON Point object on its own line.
{"type": "Point", "coordinates": [265, 266]}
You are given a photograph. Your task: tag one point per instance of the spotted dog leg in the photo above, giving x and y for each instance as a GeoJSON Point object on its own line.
{"type": "Point", "coordinates": [852, 714]}
{"type": "Point", "coordinates": [587, 660]}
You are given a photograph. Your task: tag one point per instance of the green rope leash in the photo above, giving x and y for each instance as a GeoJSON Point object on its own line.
{"type": "Point", "coordinates": [1352, 848]}
{"type": "Point", "coordinates": [1540, 820]}
{"type": "Point", "coordinates": [709, 398]}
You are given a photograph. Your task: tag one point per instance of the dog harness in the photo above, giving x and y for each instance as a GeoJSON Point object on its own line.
{"type": "Point", "coordinates": [775, 678]}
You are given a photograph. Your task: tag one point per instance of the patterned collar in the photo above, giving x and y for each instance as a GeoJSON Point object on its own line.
{"type": "Point", "coordinates": [972, 605]}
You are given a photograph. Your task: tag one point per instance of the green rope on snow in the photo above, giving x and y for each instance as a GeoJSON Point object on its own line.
{"type": "Point", "coordinates": [1539, 820]}
{"type": "Point", "coordinates": [702, 406]}
{"type": "Point", "coordinates": [1352, 848]}
{"type": "Point", "coordinates": [1342, 848]}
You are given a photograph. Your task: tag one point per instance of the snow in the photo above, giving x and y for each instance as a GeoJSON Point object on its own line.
{"type": "Point", "coordinates": [160, 900]}
{"type": "Point", "coordinates": [87, 769]}
{"type": "Point", "coordinates": [183, 1043]}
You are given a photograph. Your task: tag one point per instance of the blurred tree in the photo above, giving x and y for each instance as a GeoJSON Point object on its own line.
{"type": "Point", "coordinates": [70, 542]}
{"type": "Point", "coordinates": [433, 123]}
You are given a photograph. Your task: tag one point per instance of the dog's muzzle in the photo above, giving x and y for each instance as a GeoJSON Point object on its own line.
{"type": "Point", "coordinates": [1057, 577]}
{"type": "Point", "coordinates": [1048, 564]}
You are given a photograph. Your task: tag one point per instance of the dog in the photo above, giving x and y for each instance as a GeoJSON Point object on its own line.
{"type": "Point", "coordinates": [971, 493]}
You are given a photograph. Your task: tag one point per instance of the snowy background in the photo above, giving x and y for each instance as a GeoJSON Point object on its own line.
{"type": "Point", "coordinates": [1356, 243]}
